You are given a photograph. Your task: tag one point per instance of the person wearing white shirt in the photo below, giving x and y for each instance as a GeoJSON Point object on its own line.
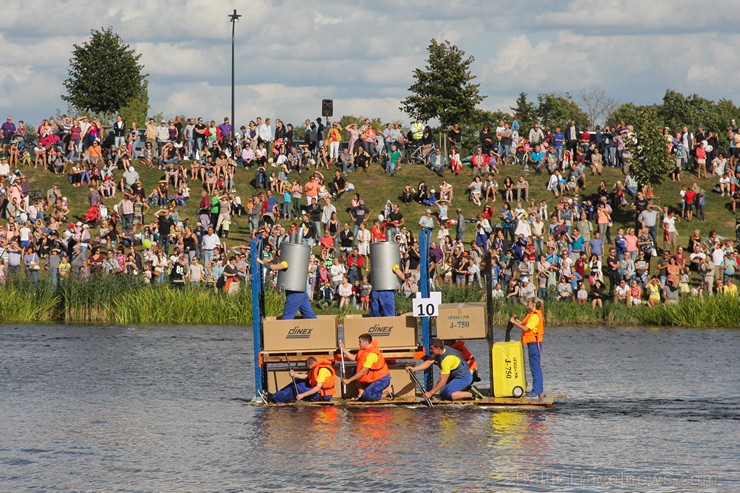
{"type": "Point", "coordinates": [327, 211]}
{"type": "Point", "coordinates": [210, 242]}
{"type": "Point", "coordinates": [248, 155]}
{"type": "Point", "coordinates": [265, 133]}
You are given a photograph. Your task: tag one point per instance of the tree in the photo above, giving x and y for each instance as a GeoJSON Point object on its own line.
{"type": "Point", "coordinates": [597, 105]}
{"type": "Point", "coordinates": [136, 110]}
{"type": "Point", "coordinates": [624, 113]}
{"type": "Point", "coordinates": [444, 89]}
{"type": "Point", "coordinates": [472, 126]}
{"type": "Point", "coordinates": [649, 162]}
{"type": "Point", "coordinates": [525, 112]}
{"type": "Point", "coordinates": [104, 74]}
{"type": "Point", "coordinates": [556, 111]}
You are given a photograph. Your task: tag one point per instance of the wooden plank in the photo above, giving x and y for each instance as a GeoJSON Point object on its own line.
{"type": "Point", "coordinates": [295, 357]}
{"type": "Point", "coordinates": [521, 403]}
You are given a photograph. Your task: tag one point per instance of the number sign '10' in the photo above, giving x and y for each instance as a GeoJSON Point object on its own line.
{"type": "Point", "coordinates": [427, 307]}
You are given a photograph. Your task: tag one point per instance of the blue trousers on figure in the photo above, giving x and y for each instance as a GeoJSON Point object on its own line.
{"type": "Point", "coordinates": [454, 385]}
{"type": "Point", "coordinates": [534, 350]}
{"type": "Point", "coordinates": [287, 393]}
{"type": "Point", "coordinates": [382, 304]}
{"type": "Point", "coordinates": [374, 391]}
{"type": "Point", "coordinates": [297, 301]}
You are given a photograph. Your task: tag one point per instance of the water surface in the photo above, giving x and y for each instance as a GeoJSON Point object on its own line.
{"type": "Point", "coordinates": [161, 409]}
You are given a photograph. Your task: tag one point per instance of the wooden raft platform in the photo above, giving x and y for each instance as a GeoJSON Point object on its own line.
{"type": "Point", "coordinates": [546, 401]}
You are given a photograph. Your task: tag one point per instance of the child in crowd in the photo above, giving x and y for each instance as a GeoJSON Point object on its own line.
{"type": "Point", "coordinates": [365, 291]}
{"type": "Point", "coordinates": [582, 294]}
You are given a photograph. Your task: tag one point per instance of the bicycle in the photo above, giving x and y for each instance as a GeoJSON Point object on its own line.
{"type": "Point", "coordinates": [420, 155]}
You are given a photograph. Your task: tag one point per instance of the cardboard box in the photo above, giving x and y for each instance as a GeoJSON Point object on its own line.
{"type": "Point", "coordinates": [461, 321]}
{"type": "Point", "coordinates": [277, 379]}
{"type": "Point", "coordinates": [390, 332]}
{"type": "Point", "coordinates": [318, 334]}
{"type": "Point", "coordinates": [400, 379]}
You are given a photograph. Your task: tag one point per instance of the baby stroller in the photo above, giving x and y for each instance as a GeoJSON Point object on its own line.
{"type": "Point", "coordinates": [92, 216]}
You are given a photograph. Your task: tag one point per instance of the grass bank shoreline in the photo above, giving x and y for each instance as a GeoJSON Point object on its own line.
{"type": "Point", "coordinates": [127, 302]}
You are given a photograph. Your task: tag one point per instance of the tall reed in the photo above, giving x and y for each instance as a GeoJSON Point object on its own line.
{"type": "Point", "coordinates": [24, 302]}
{"type": "Point", "coordinates": [125, 301]}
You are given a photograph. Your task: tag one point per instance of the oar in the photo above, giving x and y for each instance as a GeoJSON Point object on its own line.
{"type": "Point", "coordinates": [295, 387]}
{"type": "Point", "coordinates": [342, 371]}
{"type": "Point", "coordinates": [420, 388]}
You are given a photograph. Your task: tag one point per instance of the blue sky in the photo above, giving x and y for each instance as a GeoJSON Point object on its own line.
{"type": "Point", "coordinates": [291, 54]}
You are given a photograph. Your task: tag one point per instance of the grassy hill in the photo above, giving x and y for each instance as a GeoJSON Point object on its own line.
{"type": "Point", "coordinates": [376, 187]}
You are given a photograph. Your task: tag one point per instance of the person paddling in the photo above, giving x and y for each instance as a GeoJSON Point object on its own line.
{"type": "Point", "coordinates": [467, 356]}
{"type": "Point", "coordinates": [372, 373]}
{"type": "Point", "coordinates": [455, 380]}
{"type": "Point", "coordinates": [317, 384]}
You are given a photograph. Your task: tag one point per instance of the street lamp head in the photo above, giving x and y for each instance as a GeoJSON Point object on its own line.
{"type": "Point", "coordinates": [234, 17]}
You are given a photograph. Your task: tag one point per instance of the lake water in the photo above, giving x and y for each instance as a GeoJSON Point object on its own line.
{"type": "Point", "coordinates": [162, 409]}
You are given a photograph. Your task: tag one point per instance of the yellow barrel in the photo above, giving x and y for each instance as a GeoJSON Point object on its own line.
{"type": "Point", "coordinates": [507, 361]}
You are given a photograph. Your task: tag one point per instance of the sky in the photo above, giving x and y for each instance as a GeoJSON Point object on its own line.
{"type": "Point", "coordinates": [292, 54]}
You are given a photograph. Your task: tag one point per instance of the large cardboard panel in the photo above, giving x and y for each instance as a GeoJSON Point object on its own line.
{"type": "Point", "coordinates": [318, 334]}
{"type": "Point", "coordinates": [390, 332]}
{"type": "Point", "coordinates": [400, 379]}
{"type": "Point", "coordinates": [277, 379]}
{"type": "Point", "coordinates": [461, 321]}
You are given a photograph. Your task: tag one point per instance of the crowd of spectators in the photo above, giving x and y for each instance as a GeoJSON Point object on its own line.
{"type": "Point", "coordinates": [564, 248]}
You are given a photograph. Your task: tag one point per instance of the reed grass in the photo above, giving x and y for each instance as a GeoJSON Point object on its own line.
{"type": "Point", "coordinates": [125, 301]}
{"type": "Point", "coordinates": [22, 302]}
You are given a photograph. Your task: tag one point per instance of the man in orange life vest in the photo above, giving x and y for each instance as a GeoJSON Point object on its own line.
{"type": "Point", "coordinates": [467, 356]}
{"type": "Point", "coordinates": [318, 384]}
{"type": "Point", "coordinates": [372, 372]}
{"type": "Point", "coordinates": [533, 330]}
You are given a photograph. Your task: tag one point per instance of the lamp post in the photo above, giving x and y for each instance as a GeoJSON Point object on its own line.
{"type": "Point", "coordinates": [234, 17]}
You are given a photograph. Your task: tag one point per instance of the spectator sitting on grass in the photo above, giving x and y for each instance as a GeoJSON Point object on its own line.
{"type": "Point", "coordinates": [565, 290]}
{"type": "Point", "coordinates": [326, 296]}
{"type": "Point", "coordinates": [437, 162]}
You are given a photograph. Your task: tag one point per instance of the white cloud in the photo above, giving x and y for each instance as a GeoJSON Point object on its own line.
{"type": "Point", "coordinates": [292, 54]}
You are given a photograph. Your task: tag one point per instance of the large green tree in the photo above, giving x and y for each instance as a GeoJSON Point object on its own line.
{"type": "Point", "coordinates": [649, 162]}
{"type": "Point", "coordinates": [554, 110]}
{"type": "Point", "coordinates": [104, 74]}
{"type": "Point", "coordinates": [136, 110]}
{"type": "Point", "coordinates": [526, 113]}
{"type": "Point", "coordinates": [445, 88]}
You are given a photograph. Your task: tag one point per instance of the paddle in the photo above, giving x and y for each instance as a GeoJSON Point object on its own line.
{"type": "Point", "coordinates": [342, 370]}
{"type": "Point", "coordinates": [295, 387]}
{"type": "Point", "coordinates": [420, 388]}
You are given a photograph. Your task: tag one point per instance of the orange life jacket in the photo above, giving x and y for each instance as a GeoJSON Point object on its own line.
{"type": "Point", "coordinates": [466, 354]}
{"type": "Point", "coordinates": [328, 386]}
{"type": "Point", "coordinates": [530, 335]}
{"type": "Point", "coordinates": [375, 372]}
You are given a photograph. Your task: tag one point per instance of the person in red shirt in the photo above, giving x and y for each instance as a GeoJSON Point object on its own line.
{"type": "Point", "coordinates": [701, 159]}
{"type": "Point", "coordinates": [690, 198]}
{"type": "Point", "coordinates": [355, 262]}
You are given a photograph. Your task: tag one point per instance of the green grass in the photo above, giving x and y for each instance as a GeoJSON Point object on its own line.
{"type": "Point", "coordinates": [376, 187]}
{"type": "Point", "coordinates": [121, 301]}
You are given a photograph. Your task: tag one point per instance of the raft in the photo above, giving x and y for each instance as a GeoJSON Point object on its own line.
{"type": "Point", "coordinates": [546, 401]}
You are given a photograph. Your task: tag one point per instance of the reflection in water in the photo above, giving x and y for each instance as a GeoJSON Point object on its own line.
{"type": "Point", "coordinates": [518, 441]}
{"type": "Point", "coordinates": [108, 409]}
